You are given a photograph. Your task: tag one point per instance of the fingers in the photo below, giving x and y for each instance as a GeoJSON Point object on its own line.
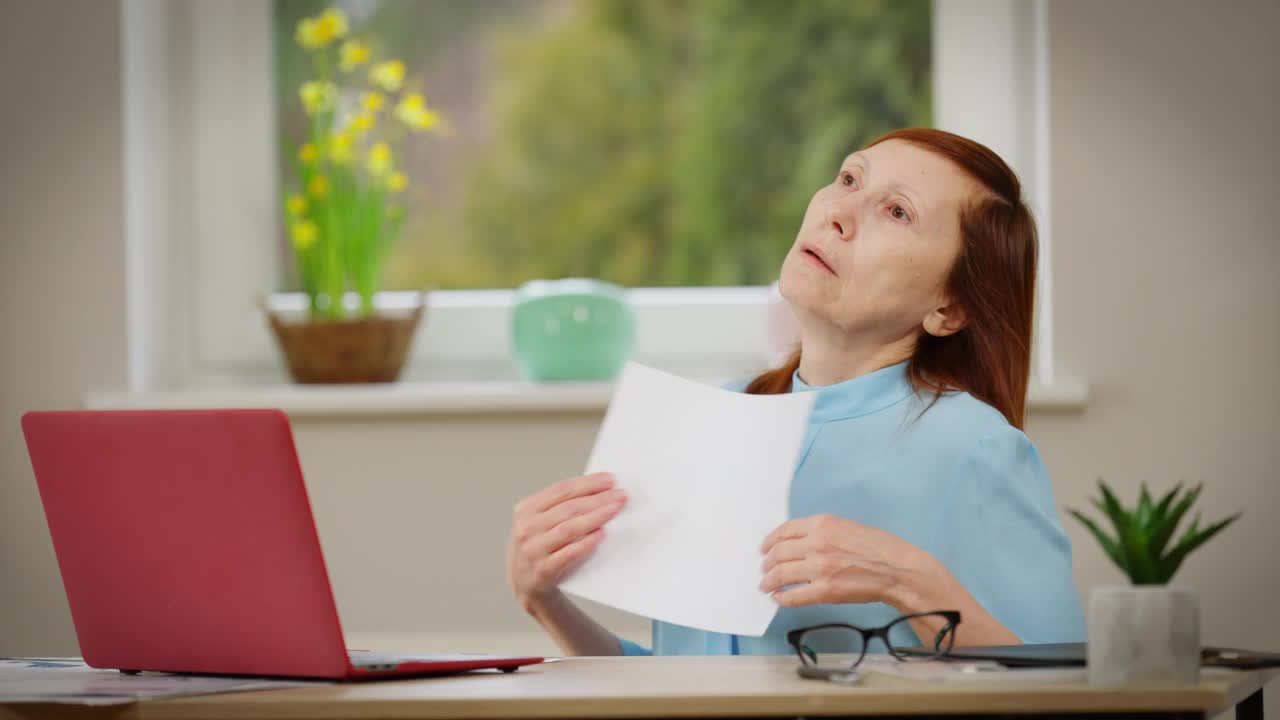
{"type": "Point", "coordinates": [563, 534]}
{"type": "Point", "coordinates": [785, 551]}
{"type": "Point", "coordinates": [822, 527]}
{"type": "Point", "coordinates": [562, 491]}
{"type": "Point", "coordinates": [556, 528]}
{"type": "Point", "coordinates": [565, 511]}
{"type": "Point", "coordinates": [808, 594]}
{"type": "Point", "coordinates": [790, 573]}
{"type": "Point", "coordinates": [796, 528]}
{"type": "Point", "coordinates": [566, 558]}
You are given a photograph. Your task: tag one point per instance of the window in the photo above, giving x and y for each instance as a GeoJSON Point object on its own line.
{"type": "Point", "coordinates": [205, 114]}
{"type": "Point", "coordinates": [672, 143]}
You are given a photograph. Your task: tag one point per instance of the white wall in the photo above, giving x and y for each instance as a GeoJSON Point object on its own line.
{"type": "Point", "coordinates": [62, 271]}
{"type": "Point", "coordinates": [1164, 184]}
{"type": "Point", "coordinates": [1166, 248]}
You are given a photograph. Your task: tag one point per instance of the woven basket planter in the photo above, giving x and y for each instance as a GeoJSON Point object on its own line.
{"type": "Point", "coordinates": [369, 349]}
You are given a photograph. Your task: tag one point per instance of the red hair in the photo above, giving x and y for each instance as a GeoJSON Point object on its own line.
{"type": "Point", "coordinates": [993, 281]}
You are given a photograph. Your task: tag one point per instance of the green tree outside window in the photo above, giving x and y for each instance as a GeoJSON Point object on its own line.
{"type": "Point", "coordinates": [648, 143]}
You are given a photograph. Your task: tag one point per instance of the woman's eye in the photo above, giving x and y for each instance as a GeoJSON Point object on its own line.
{"type": "Point", "coordinates": [899, 213]}
{"type": "Point", "coordinates": [846, 179]}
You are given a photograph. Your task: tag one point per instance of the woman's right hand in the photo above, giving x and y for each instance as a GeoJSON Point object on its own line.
{"type": "Point", "coordinates": [554, 530]}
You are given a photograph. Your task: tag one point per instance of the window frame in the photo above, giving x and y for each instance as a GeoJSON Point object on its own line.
{"type": "Point", "coordinates": [203, 216]}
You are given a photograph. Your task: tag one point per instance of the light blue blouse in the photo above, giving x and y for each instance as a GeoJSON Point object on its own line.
{"type": "Point", "coordinates": [956, 480]}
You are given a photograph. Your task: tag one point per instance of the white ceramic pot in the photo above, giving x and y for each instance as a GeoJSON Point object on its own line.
{"type": "Point", "coordinates": [1144, 635]}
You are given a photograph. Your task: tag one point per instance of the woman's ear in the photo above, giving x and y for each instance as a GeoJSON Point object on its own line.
{"type": "Point", "coordinates": [946, 320]}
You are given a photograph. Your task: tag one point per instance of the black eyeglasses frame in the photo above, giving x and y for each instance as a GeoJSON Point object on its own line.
{"type": "Point", "coordinates": [868, 634]}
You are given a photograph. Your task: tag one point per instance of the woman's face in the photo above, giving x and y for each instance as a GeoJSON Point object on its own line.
{"type": "Point", "coordinates": [876, 245]}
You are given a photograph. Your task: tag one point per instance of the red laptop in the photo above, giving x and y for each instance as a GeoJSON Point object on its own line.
{"type": "Point", "coordinates": [186, 544]}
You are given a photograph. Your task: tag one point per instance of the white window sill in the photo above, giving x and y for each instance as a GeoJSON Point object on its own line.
{"type": "Point", "coordinates": [425, 398]}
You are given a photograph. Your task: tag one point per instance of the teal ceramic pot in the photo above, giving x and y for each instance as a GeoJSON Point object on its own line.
{"type": "Point", "coordinates": [572, 329]}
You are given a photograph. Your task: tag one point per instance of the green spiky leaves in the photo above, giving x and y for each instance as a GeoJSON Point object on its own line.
{"type": "Point", "coordinates": [1141, 545]}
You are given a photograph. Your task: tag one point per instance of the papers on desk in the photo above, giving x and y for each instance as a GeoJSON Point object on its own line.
{"type": "Point", "coordinates": [707, 473]}
{"type": "Point", "coordinates": [69, 680]}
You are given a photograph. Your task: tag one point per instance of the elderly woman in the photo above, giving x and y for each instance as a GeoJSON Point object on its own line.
{"type": "Point", "coordinates": [912, 280]}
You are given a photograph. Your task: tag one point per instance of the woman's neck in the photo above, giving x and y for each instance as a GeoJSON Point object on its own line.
{"type": "Point", "coordinates": [828, 357]}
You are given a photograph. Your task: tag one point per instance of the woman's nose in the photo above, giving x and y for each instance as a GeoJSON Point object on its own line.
{"type": "Point", "coordinates": [842, 215]}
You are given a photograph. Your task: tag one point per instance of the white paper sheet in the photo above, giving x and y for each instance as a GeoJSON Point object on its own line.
{"type": "Point", "coordinates": [70, 681]}
{"type": "Point", "coordinates": [707, 473]}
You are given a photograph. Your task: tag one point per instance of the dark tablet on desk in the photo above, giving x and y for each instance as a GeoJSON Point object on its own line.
{"type": "Point", "coordinates": [1041, 655]}
{"type": "Point", "coordinates": [1237, 658]}
{"type": "Point", "coordinates": [1074, 654]}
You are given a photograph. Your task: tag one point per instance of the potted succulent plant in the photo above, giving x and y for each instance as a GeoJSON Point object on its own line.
{"type": "Point", "coordinates": [345, 212]}
{"type": "Point", "coordinates": [1147, 632]}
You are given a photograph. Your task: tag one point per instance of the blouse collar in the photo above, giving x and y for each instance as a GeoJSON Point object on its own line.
{"type": "Point", "coordinates": [862, 395]}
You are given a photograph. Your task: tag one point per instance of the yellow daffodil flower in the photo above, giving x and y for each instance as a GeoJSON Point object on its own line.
{"type": "Point", "coordinates": [315, 33]}
{"type": "Point", "coordinates": [340, 144]}
{"type": "Point", "coordinates": [373, 101]}
{"type": "Point", "coordinates": [318, 96]}
{"type": "Point", "coordinates": [413, 112]}
{"type": "Point", "coordinates": [309, 34]}
{"type": "Point", "coordinates": [308, 154]}
{"type": "Point", "coordinates": [388, 75]}
{"type": "Point", "coordinates": [397, 182]}
{"type": "Point", "coordinates": [411, 102]}
{"type": "Point", "coordinates": [335, 21]}
{"type": "Point", "coordinates": [297, 205]}
{"type": "Point", "coordinates": [318, 187]}
{"type": "Point", "coordinates": [352, 55]}
{"type": "Point", "coordinates": [379, 161]}
{"type": "Point", "coordinates": [304, 234]}
{"type": "Point", "coordinates": [363, 122]}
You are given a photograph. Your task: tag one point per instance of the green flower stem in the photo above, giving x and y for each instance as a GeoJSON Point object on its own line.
{"type": "Point", "coordinates": [353, 228]}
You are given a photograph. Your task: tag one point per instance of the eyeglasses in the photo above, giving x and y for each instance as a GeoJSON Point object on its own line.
{"type": "Point", "coordinates": [832, 651]}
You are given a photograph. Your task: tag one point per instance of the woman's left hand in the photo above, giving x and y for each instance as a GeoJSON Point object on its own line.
{"type": "Point", "coordinates": [829, 559]}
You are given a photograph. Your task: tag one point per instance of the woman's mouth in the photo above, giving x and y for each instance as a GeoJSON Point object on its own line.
{"type": "Point", "coordinates": [813, 256]}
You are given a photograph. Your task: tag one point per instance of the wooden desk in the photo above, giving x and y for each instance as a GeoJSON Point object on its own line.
{"type": "Point", "coordinates": [686, 687]}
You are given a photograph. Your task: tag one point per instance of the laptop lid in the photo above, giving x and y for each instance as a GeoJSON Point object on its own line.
{"type": "Point", "coordinates": [186, 541]}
